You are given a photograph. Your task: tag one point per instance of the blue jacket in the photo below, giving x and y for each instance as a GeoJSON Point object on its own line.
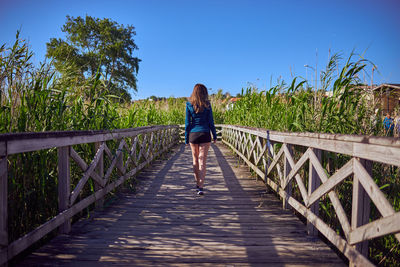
{"type": "Point", "coordinates": [201, 122]}
{"type": "Point", "coordinates": [388, 123]}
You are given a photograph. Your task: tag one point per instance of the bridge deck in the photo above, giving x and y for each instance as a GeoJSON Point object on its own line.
{"type": "Point", "coordinates": [165, 223]}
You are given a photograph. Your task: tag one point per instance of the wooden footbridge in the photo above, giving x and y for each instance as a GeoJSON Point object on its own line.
{"type": "Point", "coordinates": [269, 216]}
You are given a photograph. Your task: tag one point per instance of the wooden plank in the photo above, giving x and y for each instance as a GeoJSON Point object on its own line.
{"type": "Point", "coordinates": [313, 183]}
{"type": "Point", "coordinates": [381, 227]}
{"type": "Point", "coordinates": [3, 257]}
{"type": "Point", "coordinates": [269, 157]}
{"type": "Point", "coordinates": [132, 154]}
{"type": "Point", "coordinates": [120, 158]}
{"type": "Point", "coordinates": [124, 166]}
{"type": "Point", "coordinates": [150, 145]}
{"type": "Point", "coordinates": [199, 252]}
{"type": "Point", "coordinates": [297, 240]}
{"type": "Point", "coordinates": [276, 159]}
{"type": "Point", "coordinates": [250, 149]}
{"type": "Point", "coordinates": [142, 145]}
{"type": "Point", "coordinates": [3, 238]}
{"type": "Point", "coordinates": [3, 149]}
{"type": "Point", "coordinates": [179, 250]}
{"type": "Point", "coordinates": [376, 195]}
{"type": "Point", "coordinates": [3, 204]}
{"type": "Point", "coordinates": [293, 172]}
{"type": "Point", "coordinates": [261, 151]}
{"type": "Point", "coordinates": [3, 201]}
{"type": "Point", "coordinates": [88, 172]}
{"type": "Point", "coordinates": [385, 154]}
{"type": "Point", "coordinates": [64, 183]}
{"type": "Point", "coordinates": [35, 143]}
{"type": "Point", "coordinates": [115, 159]}
{"type": "Point", "coordinates": [278, 136]}
{"type": "Point", "coordinates": [234, 245]}
{"type": "Point", "coordinates": [84, 167]}
{"type": "Point", "coordinates": [296, 167]}
{"type": "Point", "coordinates": [125, 258]}
{"type": "Point", "coordinates": [373, 191]}
{"type": "Point", "coordinates": [108, 152]}
{"type": "Point", "coordinates": [333, 181]}
{"type": "Point", "coordinates": [100, 172]}
{"type": "Point", "coordinates": [341, 214]}
{"type": "Point", "coordinates": [287, 185]}
{"type": "Point", "coordinates": [360, 207]}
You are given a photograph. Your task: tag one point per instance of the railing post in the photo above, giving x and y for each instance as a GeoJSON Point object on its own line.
{"type": "Point", "coordinates": [360, 211]}
{"type": "Point", "coordinates": [286, 171]}
{"type": "Point", "coordinates": [268, 160]}
{"type": "Point", "coordinates": [3, 204]}
{"type": "Point", "coordinates": [100, 170]}
{"type": "Point", "coordinates": [313, 183]}
{"type": "Point", "coordinates": [64, 184]}
{"type": "Point", "coordinates": [119, 164]}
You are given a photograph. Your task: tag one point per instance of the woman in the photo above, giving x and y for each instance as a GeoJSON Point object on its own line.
{"type": "Point", "coordinates": [199, 121]}
{"type": "Point", "coordinates": [388, 123]}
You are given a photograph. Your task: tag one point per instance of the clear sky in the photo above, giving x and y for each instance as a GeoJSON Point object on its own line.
{"type": "Point", "coordinates": [225, 44]}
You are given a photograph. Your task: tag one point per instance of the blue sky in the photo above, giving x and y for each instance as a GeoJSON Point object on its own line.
{"type": "Point", "coordinates": [225, 44]}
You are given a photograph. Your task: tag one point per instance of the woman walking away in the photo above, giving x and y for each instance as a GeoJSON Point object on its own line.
{"type": "Point", "coordinates": [198, 124]}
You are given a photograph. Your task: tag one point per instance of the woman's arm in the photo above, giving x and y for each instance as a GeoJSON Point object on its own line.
{"type": "Point", "coordinates": [187, 124]}
{"type": "Point", "coordinates": [211, 124]}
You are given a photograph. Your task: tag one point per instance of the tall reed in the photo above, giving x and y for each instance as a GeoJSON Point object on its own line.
{"type": "Point", "coordinates": [342, 106]}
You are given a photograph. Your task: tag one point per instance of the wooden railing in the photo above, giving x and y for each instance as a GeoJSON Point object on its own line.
{"type": "Point", "coordinates": [145, 144]}
{"type": "Point", "coordinates": [266, 151]}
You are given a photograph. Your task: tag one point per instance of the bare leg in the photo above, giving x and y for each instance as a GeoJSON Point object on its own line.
{"type": "Point", "coordinates": [203, 151]}
{"type": "Point", "coordinates": [195, 156]}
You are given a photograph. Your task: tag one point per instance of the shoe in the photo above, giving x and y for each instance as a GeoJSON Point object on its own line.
{"type": "Point", "coordinates": [197, 188]}
{"type": "Point", "coordinates": [200, 191]}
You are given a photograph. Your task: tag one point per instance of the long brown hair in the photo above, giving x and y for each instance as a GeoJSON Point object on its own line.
{"type": "Point", "coordinates": [199, 98]}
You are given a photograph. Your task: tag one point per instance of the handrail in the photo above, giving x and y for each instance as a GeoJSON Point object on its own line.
{"type": "Point", "coordinates": [256, 148]}
{"type": "Point", "coordinates": [142, 145]}
{"type": "Point", "coordinates": [14, 143]}
{"type": "Point", "coordinates": [382, 149]}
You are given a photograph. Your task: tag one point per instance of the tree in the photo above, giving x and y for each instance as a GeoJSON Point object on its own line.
{"type": "Point", "coordinates": [98, 45]}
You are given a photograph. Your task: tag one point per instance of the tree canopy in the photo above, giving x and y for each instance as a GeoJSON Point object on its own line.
{"type": "Point", "coordinates": [95, 45]}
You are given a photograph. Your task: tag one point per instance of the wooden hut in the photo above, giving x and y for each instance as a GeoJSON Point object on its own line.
{"type": "Point", "coordinates": [388, 95]}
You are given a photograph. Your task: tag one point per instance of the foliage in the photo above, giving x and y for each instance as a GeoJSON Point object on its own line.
{"type": "Point", "coordinates": [297, 108]}
{"type": "Point", "coordinates": [98, 45]}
